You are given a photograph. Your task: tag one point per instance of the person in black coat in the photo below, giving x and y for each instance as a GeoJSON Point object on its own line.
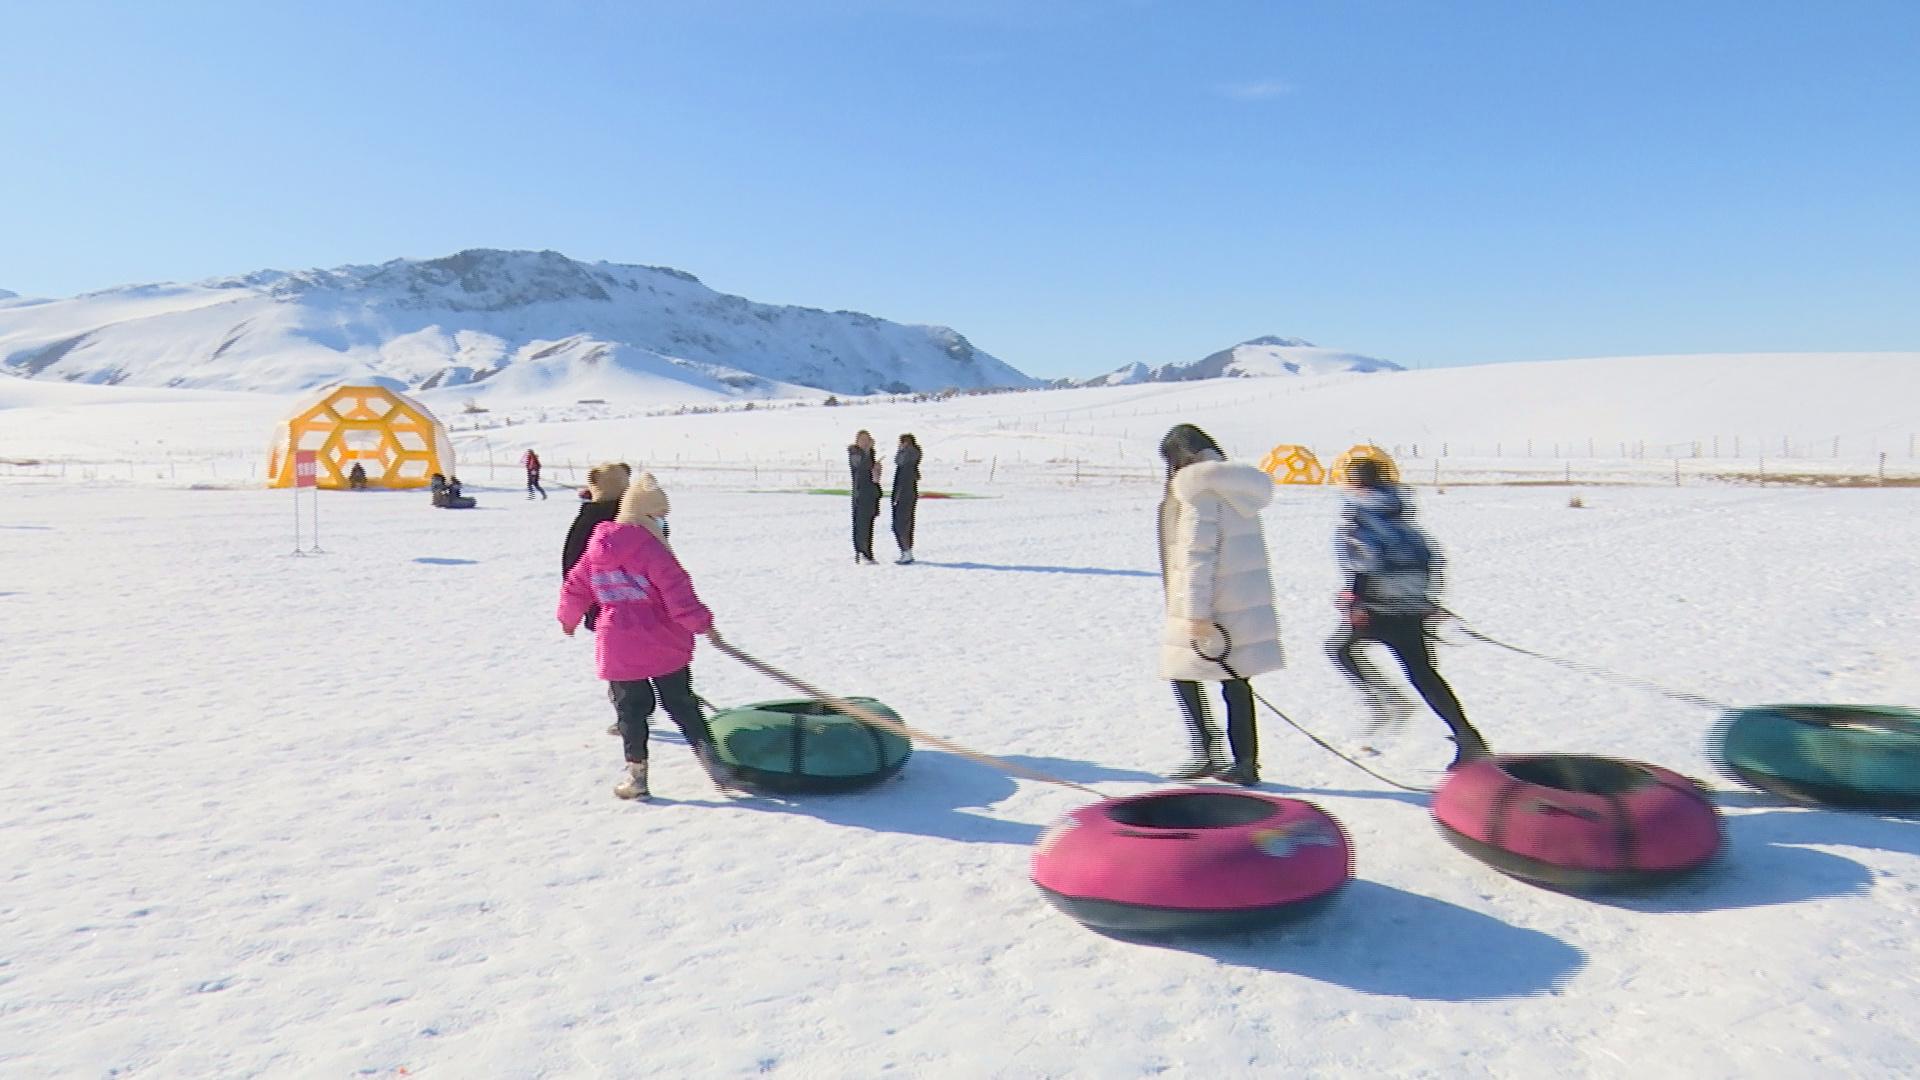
{"type": "Point", "coordinates": [605, 484]}
{"type": "Point", "coordinates": [906, 494]}
{"type": "Point", "coordinates": [864, 468]}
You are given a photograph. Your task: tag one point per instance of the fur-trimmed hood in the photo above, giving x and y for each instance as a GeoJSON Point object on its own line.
{"type": "Point", "coordinates": [1243, 487]}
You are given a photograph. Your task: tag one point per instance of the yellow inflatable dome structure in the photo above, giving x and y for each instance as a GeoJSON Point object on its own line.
{"type": "Point", "coordinates": [392, 437]}
{"type": "Point", "coordinates": [1338, 474]}
{"type": "Point", "coordinates": [1292, 464]}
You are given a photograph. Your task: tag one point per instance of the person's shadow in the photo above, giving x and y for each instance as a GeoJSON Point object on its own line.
{"type": "Point", "coordinates": [1377, 939]}
{"type": "Point", "coordinates": [1100, 570]}
{"type": "Point", "coordinates": [931, 796]}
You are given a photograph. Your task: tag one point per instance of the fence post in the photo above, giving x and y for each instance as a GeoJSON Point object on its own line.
{"type": "Point", "coordinates": [1883, 468]}
{"type": "Point", "coordinates": [993, 467]}
{"type": "Point", "coordinates": [1436, 472]}
{"type": "Point", "coordinates": [1676, 472]}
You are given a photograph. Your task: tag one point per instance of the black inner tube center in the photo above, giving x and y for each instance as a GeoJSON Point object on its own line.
{"type": "Point", "coordinates": [1192, 811]}
{"type": "Point", "coordinates": [1587, 775]}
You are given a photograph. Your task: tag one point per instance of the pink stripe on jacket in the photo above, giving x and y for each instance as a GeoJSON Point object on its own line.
{"type": "Point", "coordinates": [649, 612]}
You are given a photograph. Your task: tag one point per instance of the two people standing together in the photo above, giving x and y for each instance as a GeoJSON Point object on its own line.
{"type": "Point", "coordinates": [865, 468]}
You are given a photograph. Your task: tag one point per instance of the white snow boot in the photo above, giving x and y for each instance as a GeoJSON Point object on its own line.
{"type": "Point", "coordinates": [635, 785]}
{"type": "Point", "coordinates": [906, 556]}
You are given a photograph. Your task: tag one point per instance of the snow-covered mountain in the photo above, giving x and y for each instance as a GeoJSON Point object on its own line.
{"type": "Point", "coordinates": [1260, 357]}
{"type": "Point", "coordinates": [521, 323]}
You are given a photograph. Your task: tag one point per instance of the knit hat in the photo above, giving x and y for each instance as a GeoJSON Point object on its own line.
{"type": "Point", "coordinates": [607, 482]}
{"type": "Point", "coordinates": [643, 504]}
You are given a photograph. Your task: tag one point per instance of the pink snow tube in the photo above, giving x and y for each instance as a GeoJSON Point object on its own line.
{"type": "Point", "coordinates": [1578, 822]}
{"type": "Point", "coordinates": [1193, 859]}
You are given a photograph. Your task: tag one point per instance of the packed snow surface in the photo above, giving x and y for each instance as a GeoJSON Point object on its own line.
{"type": "Point", "coordinates": [350, 813]}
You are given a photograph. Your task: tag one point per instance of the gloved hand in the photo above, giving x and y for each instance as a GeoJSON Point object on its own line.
{"type": "Point", "coordinates": [1200, 629]}
{"type": "Point", "coordinates": [1355, 611]}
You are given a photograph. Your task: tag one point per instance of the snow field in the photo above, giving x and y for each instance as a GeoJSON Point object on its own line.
{"type": "Point", "coordinates": [350, 814]}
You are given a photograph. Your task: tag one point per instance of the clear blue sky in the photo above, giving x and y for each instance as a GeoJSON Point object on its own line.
{"type": "Point", "coordinates": [1074, 184]}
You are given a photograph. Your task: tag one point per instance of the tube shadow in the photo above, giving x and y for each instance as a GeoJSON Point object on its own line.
{"type": "Point", "coordinates": [1377, 939]}
{"type": "Point", "coordinates": [929, 797]}
{"type": "Point", "coordinates": [29, 528]}
{"type": "Point", "coordinates": [1104, 571]}
{"type": "Point", "coordinates": [1760, 866]}
{"type": "Point", "coordinates": [431, 561]}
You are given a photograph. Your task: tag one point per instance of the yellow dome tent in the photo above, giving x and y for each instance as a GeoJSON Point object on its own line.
{"type": "Point", "coordinates": [1338, 474]}
{"type": "Point", "coordinates": [1292, 464]}
{"type": "Point", "coordinates": [391, 436]}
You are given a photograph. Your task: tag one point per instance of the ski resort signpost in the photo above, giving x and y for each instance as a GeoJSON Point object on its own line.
{"type": "Point", "coordinates": [306, 476]}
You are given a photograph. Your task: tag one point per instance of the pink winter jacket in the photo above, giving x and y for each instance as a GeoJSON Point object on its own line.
{"type": "Point", "coordinates": [648, 609]}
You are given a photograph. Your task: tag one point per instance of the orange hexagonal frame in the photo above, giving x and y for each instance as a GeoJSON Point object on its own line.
{"type": "Point", "coordinates": [1289, 463]}
{"type": "Point", "coordinates": [390, 435]}
{"type": "Point", "coordinates": [1388, 470]}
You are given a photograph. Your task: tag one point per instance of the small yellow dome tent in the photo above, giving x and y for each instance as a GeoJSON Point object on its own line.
{"type": "Point", "coordinates": [1338, 474]}
{"type": "Point", "coordinates": [390, 435]}
{"type": "Point", "coordinates": [1292, 464]}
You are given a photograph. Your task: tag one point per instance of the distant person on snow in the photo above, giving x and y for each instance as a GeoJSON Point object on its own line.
{"type": "Point", "coordinates": [643, 647]}
{"type": "Point", "coordinates": [357, 477]}
{"type": "Point", "coordinates": [906, 494]}
{"type": "Point", "coordinates": [864, 468]}
{"type": "Point", "coordinates": [1219, 623]}
{"type": "Point", "coordinates": [532, 461]}
{"type": "Point", "coordinates": [1391, 570]}
{"type": "Point", "coordinates": [605, 484]}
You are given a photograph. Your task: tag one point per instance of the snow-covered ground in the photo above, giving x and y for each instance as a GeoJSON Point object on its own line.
{"type": "Point", "coordinates": [350, 813]}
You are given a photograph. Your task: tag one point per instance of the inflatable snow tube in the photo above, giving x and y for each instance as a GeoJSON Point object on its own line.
{"type": "Point", "coordinates": [802, 745]}
{"type": "Point", "coordinates": [1575, 822]}
{"type": "Point", "coordinates": [1855, 756]}
{"type": "Point", "coordinates": [1192, 860]}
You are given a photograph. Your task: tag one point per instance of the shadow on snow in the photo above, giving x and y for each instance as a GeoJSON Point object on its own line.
{"type": "Point", "coordinates": [1377, 939]}
{"type": "Point", "coordinates": [1101, 570]}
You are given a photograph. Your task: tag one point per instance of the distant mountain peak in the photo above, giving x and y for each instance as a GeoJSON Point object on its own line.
{"type": "Point", "coordinates": [489, 316]}
{"type": "Point", "coordinates": [1256, 358]}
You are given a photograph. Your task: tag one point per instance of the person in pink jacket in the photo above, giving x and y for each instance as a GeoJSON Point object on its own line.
{"type": "Point", "coordinates": [643, 634]}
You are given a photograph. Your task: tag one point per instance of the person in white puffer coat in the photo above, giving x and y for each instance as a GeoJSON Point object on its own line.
{"type": "Point", "coordinates": [1220, 624]}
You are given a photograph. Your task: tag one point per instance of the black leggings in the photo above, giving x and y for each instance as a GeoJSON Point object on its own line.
{"type": "Point", "coordinates": [1406, 637]}
{"type": "Point", "coordinates": [633, 704]}
{"type": "Point", "coordinates": [866, 507]}
{"type": "Point", "coordinates": [1242, 737]}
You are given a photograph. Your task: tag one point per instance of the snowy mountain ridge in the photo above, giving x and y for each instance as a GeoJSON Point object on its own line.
{"type": "Point", "coordinates": [524, 323]}
{"type": "Point", "coordinates": [1259, 357]}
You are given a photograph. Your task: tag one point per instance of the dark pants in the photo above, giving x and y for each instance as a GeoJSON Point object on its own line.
{"type": "Point", "coordinates": [903, 523]}
{"type": "Point", "coordinates": [533, 485]}
{"type": "Point", "coordinates": [633, 703]}
{"type": "Point", "coordinates": [865, 509]}
{"type": "Point", "coordinates": [1242, 738]}
{"type": "Point", "coordinates": [1406, 637]}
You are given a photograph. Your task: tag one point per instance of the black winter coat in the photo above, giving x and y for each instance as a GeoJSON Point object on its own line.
{"type": "Point", "coordinates": [590, 515]}
{"type": "Point", "coordinates": [860, 464]}
{"type": "Point", "coordinates": [906, 474]}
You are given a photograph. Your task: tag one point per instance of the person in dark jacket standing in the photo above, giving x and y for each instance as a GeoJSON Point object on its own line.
{"type": "Point", "coordinates": [532, 461]}
{"type": "Point", "coordinates": [906, 495]}
{"type": "Point", "coordinates": [864, 467]}
{"type": "Point", "coordinates": [605, 484]}
{"type": "Point", "coordinates": [1390, 568]}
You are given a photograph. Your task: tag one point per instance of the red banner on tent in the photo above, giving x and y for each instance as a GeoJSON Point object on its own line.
{"type": "Point", "coordinates": [306, 468]}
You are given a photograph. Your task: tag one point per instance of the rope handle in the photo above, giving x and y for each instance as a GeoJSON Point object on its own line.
{"type": "Point", "coordinates": [868, 716]}
{"type": "Point", "coordinates": [1227, 649]}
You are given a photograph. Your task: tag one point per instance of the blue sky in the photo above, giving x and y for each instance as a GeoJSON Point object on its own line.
{"type": "Point", "coordinates": [1074, 184]}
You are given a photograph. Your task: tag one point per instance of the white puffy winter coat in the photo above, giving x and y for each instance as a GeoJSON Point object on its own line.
{"type": "Point", "coordinates": [1213, 559]}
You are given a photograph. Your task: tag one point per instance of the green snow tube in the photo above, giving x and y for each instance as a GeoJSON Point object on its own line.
{"type": "Point", "coordinates": [1859, 756]}
{"type": "Point", "coordinates": [801, 745]}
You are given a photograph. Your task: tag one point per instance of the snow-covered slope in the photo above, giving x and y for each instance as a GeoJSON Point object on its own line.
{"type": "Point", "coordinates": [522, 323]}
{"type": "Point", "coordinates": [1250, 359]}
